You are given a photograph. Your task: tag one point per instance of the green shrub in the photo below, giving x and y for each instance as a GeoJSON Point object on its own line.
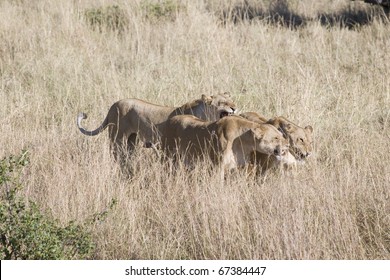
{"type": "Point", "coordinates": [161, 10]}
{"type": "Point", "coordinates": [28, 233]}
{"type": "Point", "coordinates": [107, 18]}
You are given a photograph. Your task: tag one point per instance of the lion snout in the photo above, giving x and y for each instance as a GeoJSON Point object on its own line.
{"type": "Point", "coordinates": [303, 155]}
{"type": "Point", "coordinates": [281, 151]}
{"type": "Point", "coordinates": [306, 155]}
{"type": "Point", "coordinates": [277, 151]}
{"type": "Point", "coordinates": [225, 113]}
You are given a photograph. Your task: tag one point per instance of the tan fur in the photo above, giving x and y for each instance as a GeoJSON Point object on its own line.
{"type": "Point", "coordinates": [254, 117]}
{"type": "Point", "coordinates": [300, 140]}
{"type": "Point", "coordinates": [130, 119]}
{"type": "Point", "coordinates": [228, 141]}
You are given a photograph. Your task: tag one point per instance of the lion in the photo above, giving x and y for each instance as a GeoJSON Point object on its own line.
{"type": "Point", "coordinates": [228, 141]}
{"type": "Point", "coordinates": [300, 140]}
{"type": "Point", "coordinates": [133, 119]}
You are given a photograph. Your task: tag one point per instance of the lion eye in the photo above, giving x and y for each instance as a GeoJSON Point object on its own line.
{"type": "Point", "coordinates": [301, 140]}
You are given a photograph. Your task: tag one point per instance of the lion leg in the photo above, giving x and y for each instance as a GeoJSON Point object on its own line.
{"type": "Point", "coordinates": [116, 150]}
{"type": "Point", "coordinates": [117, 143]}
{"type": "Point", "coordinates": [131, 142]}
{"type": "Point", "coordinates": [228, 160]}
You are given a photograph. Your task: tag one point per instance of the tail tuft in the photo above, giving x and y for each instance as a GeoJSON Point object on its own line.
{"type": "Point", "coordinates": [82, 116]}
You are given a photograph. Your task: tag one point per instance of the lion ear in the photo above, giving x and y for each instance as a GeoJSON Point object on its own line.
{"type": "Point", "coordinates": [309, 128]}
{"type": "Point", "coordinates": [286, 126]}
{"type": "Point", "coordinates": [257, 132]}
{"type": "Point", "coordinates": [207, 99]}
{"type": "Point", "coordinates": [227, 94]}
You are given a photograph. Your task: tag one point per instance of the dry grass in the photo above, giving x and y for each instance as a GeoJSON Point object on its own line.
{"type": "Point", "coordinates": [53, 65]}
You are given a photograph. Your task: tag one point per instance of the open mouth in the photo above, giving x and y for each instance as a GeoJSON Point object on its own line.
{"type": "Point", "coordinates": [299, 155]}
{"type": "Point", "coordinates": [280, 153]}
{"type": "Point", "coordinates": [224, 114]}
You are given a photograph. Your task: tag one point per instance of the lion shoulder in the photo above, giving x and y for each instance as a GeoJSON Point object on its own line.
{"type": "Point", "coordinates": [254, 117]}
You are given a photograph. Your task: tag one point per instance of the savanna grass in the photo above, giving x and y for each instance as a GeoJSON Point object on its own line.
{"type": "Point", "coordinates": [323, 73]}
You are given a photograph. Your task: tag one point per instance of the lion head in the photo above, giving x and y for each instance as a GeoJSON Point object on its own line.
{"type": "Point", "coordinates": [270, 141]}
{"type": "Point", "coordinates": [210, 108]}
{"type": "Point", "coordinates": [300, 139]}
{"type": "Point", "coordinates": [220, 104]}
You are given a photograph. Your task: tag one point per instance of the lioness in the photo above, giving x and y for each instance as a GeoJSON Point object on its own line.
{"type": "Point", "coordinates": [228, 141]}
{"type": "Point", "coordinates": [129, 119]}
{"type": "Point", "coordinates": [300, 140]}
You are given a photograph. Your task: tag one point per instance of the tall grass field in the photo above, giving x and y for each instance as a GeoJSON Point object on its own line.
{"type": "Point", "coordinates": [319, 63]}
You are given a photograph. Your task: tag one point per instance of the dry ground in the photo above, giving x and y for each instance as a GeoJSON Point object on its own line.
{"type": "Point", "coordinates": [53, 64]}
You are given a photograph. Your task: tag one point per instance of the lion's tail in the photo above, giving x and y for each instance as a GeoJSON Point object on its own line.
{"type": "Point", "coordinates": [83, 116]}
